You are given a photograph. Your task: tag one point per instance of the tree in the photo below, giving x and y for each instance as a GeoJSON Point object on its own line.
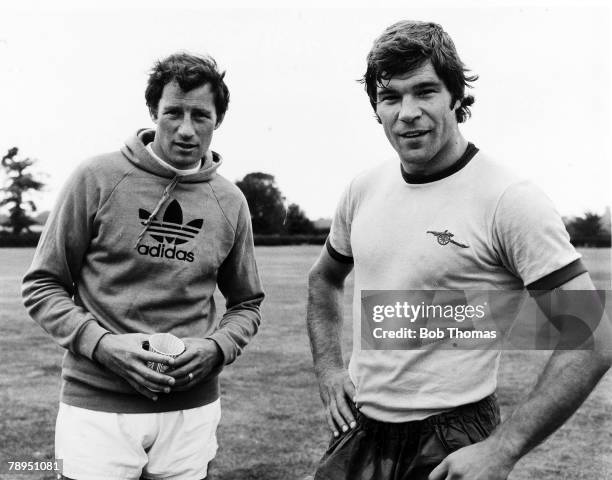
{"type": "Point", "coordinates": [297, 222]}
{"type": "Point", "coordinates": [266, 202]}
{"type": "Point", "coordinates": [590, 230]}
{"type": "Point", "coordinates": [588, 226]}
{"type": "Point", "coordinates": [18, 186]}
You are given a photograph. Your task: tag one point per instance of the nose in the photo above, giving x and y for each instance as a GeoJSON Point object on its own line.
{"type": "Point", "coordinates": [186, 129]}
{"type": "Point", "coordinates": [409, 110]}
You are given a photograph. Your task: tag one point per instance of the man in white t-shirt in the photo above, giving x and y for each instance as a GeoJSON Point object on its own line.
{"type": "Point", "coordinates": [446, 218]}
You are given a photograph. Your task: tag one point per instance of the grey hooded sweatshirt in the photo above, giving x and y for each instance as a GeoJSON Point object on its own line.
{"type": "Point", "coordinates": [129, 247]}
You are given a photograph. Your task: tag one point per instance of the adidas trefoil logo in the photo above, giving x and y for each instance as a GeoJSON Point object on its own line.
{"type": "Point", "coordinates": [171, 228]}
{"type": "Point", "coordinates": [446, 237]}
{"type": "Point", "coordinates": [169, 232]}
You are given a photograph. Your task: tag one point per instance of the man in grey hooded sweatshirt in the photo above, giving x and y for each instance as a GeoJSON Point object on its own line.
{"type": "Point", "coordinates": [136, 244]}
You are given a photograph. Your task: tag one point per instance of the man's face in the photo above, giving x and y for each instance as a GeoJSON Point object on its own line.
{"type": "Point", "coordinates": [415, 111]}
{"type": "Point", "coordinates": [185, 124]}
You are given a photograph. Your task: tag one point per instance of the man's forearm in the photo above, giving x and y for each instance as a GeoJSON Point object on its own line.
{"type": "Point", "coordinates": [238, 326]}
{"type": "Point", "coordinates": [49, 304]}
{"type": "Point", "coordinates": [324, 318]}
{"type": "Point", "coordinates": [239, 282]}
{"type": "Point", "coordinates": [324, 314]}
{"type": "Point", "coordinates": [568, 378]}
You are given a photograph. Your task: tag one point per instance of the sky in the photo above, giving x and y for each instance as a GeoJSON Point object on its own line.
{"type": "Point", "coordinates": [73, 79]}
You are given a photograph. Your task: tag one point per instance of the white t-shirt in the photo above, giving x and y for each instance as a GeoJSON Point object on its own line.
{"type": "Point", "coordinates": [510, 236]}
{"type": "Point", "coordinates": [177, 171]}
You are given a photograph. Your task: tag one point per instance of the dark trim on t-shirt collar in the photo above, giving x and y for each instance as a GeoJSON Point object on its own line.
{"type": "Point", "coordinates": [416, 178]}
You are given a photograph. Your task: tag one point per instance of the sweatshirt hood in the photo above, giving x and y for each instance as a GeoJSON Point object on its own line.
{"type": "Point", "coordinates": [134, 150]}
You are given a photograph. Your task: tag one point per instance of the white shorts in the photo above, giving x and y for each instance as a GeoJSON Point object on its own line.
{"type": "Point", "coordinates": [125, 446]}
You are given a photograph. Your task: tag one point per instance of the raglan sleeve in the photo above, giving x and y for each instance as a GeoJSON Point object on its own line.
{"type": "Point", "coordinates": [338, 242]}
{"type": "Point", "coordinates": [530, 238]}
{"type": "Point", "coordinates": [49, 285]}
{"type": "Point", "coordinates": [239, 282]}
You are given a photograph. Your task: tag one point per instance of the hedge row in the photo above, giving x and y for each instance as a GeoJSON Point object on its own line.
{"type": "Point", "coordinates": [274, 240]}
{"type": "Point", "coordinates": [23, 240]}
{"type": "Point", "coordinates": [31, 240]}
{"type": "Point", "coordinates": [600, 241]}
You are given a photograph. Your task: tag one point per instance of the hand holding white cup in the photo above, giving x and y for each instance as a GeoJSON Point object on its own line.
{"type": "Point", "coordinates": [164, 344]}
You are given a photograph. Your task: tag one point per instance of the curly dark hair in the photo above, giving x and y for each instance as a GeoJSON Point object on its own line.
{"type": "Point", "coordinates": [189, 71]}
{"type": "Point", "coordinates": [406, 46]}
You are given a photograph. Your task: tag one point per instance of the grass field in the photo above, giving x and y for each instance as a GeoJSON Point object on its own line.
{"type": "Point", "coordinates": [272, 426]}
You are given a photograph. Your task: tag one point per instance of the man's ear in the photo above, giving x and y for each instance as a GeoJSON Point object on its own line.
{"type": "Point", "coordinates": [219, 120]}
{"type": "Point", "coordinates": [153, 114]}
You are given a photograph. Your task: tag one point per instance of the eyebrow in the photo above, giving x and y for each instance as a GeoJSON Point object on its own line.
{"type": "Point", "coordinates": [428, 84]}
{"type": "Point", "coordinates": [421, 85]}
{"type": "Point", "coordinates": [202, 110]}
{"type": "Point", "coordinates": [170, 107]}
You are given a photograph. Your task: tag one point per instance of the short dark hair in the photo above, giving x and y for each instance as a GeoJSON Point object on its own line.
{"type": "Point", "coordinates": [404, 47]}
{"type": "Point", "coordinates": [189, 71]}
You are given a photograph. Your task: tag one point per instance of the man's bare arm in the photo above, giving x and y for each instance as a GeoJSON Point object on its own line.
{"type": "Point", "coordinates": [567, 379]}
{"type": "Point", "coordinates": [324, 315]}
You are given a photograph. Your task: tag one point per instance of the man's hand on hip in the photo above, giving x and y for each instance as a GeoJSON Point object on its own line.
{"type": "Point", "coordinates": [481, 461]}
{"type": "Point", "coordinates": [337, 390]}
{"type": "Point", "coordinates": [124, 355]}
{"type": "Point", "coordinates": [200, 358]}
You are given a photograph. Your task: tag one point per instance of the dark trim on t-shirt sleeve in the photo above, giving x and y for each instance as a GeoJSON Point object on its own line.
{"type": "Point", "coordinates": [337, 255]}
{"type": "Point", "coordinates": [558, 277]}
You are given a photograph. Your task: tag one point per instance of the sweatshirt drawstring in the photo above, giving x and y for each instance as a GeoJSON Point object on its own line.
{"type": "Point", "coordinates": [167, 191]}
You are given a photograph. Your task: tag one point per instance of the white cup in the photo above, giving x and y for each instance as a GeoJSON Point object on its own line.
{"type": "Point", "coordinates": [164, 344]}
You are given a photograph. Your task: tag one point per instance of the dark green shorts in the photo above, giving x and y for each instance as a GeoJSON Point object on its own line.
{"type": "Point", "coordinates": [406, 451]}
